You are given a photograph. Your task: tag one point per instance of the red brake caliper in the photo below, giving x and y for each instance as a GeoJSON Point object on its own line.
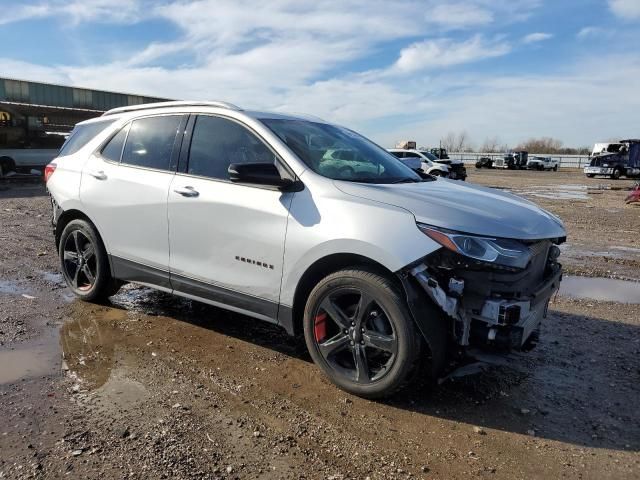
{"type": "Point", "coordinates": [320, 327]}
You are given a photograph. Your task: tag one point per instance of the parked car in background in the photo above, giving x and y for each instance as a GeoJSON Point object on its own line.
{"type": "Point", "coordinates": [484, 162]}
{"type": "Point", "coordinates": [615, 160]}
{"type": "Point", "coordinates": [388, 275]}
{"type": "Point", "coordinates": [440, 153]}
{"type": "Point", "coordinates": [422, 160]}
{"type": "Point", "coordinates": [543, 163]}
{"type": "Point", "coordinates": [513, 161]}
{"type": "Point", "coordinates": [457, 170]}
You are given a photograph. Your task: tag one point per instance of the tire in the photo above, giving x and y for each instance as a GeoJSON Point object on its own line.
{"type": "Point", "coordinates": [555, 168]}
{"type": "Point", "coordinates": [617, 173]}
{"type": "Point", "coordinates": [591, 175]}
{"type": "Point", "coordinates": [6, 165]}
{"type": "Point", "coordinates": [436, 173]}
{"type": "Point", "coordinates": [359, 331]}
{"type": "Point", "coordinates": [84, 262]}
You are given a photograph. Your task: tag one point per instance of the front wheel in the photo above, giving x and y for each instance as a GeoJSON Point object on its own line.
{"type": "Point", "coordinates": [360, 333]}
{"type": "Point", "coordinates": [617, 173]}
{"type": "Point", "coordinates": [84, 262]}
{"type": "Point", "coordinates": [6, 165]}
{"type": "Point", "coordinates": [591, 175]}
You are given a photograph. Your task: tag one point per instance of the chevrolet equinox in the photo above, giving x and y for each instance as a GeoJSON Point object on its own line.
{"type": "Point", "coordinates": [386, 273]}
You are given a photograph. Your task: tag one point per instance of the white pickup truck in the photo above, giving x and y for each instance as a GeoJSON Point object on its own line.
{"type": "Point", "coordinates": [543, 163]}
{"type": "Point", "coordinates": [23, 160]}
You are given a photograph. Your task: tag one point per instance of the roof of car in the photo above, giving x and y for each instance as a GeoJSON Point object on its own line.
{"type": "Point", "coordinates": [182, 104]}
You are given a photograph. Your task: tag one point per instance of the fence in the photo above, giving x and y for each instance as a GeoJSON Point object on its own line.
{"type": "Point", "coordinates": [564, 161]}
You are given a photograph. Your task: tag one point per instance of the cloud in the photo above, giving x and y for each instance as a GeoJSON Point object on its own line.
{"type": "Point", "coordinates": [445, 52]}
{"type": "Point", "coordinates": [288, 55]}
{"type": "Point", "coordinates": [589, 32]}
{"type": "Point", "coordinates": [460, 15]}
{"type": "Point", "coordinates": [537, 37]}
{"type": "Point", "coordinates": [625, 9]}
{"type": "Point", "coordinates": [75, 11]}
{"type": "Point", "coordinates": [591, 100]}
{"type": "Point", "coordinates": [17, 13]}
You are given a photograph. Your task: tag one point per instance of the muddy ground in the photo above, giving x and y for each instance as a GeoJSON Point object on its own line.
{"type": "Point", "coordinates": [150, 386]}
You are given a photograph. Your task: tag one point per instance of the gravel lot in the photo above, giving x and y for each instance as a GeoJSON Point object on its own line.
{"type": "Point", "coordinates": [151, 386]}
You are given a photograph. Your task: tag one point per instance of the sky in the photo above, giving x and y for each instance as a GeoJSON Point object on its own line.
{"type": "Point", "coordinates": [392, 70]}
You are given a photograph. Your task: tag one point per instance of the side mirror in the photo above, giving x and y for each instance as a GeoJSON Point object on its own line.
{"type": "Point", "coordinates": [266, 174]}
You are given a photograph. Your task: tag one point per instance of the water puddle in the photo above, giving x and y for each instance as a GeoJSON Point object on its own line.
{"type": "Point", "coordinates": [603, 289]}
{"type": "Point", "coordinates": [554, 192]}
{"type": "Point", "coordinates": [11, 288]}
{"type": "Point", "coordinates": [30, 361]}
{"type": "Point", "coordinates": [53, 277]}
{"type": "Point", "coordinates": [88, 345]}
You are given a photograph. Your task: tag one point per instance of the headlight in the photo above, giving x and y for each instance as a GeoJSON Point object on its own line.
{"type": "Point", "coordinates": [501, 251]}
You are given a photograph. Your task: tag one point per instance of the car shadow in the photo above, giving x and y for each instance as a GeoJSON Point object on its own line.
{"type": "Point", "coordinates": [579, 385]}
{"type": "Point", "coordinates": [33, 187]}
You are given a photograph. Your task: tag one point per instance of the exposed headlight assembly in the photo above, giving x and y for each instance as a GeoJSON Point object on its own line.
{"type": "Point", "coordinates": [501, 251]}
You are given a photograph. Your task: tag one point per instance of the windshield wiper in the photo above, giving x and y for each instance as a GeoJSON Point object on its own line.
{"type": "Point", "coordinates": [408, 180]}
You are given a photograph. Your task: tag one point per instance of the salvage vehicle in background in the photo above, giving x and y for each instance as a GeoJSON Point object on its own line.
{"type": "Point", "coordinates": [457, 170]}
{"type": "Point", "coordinates": [543, 163]}
{"type": "Point", "coordinates": [436, 156]}
{"type": "Point", "coordinates": [388, 275]}
{"type": "Point", "coordinates": [615, 160]}
{"type": "Point", "coordinates": [421, 160]}
{"type": "Point", "coordinates": [484, 162]}
{"type": "Point", "coordinates": [26, 146]}
{"type": "Point", "coordinates": [513, 161]}
{"type": "Point", "coordinates": [440, 153]}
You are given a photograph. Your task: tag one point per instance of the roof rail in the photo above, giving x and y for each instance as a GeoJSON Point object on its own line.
{"type": "Point", "coordinates": [177, 103]}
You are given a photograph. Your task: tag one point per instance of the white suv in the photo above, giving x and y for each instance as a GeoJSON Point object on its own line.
{"type": "Point", "coordinates": [417, 159]}
{"type": "Point", "coordinates": [387, 274]}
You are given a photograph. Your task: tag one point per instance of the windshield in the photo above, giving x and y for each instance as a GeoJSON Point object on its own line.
{"type": "Point", "coordinates": [429, 155]}
{"type": "Point", "coordinates": [339, 153]}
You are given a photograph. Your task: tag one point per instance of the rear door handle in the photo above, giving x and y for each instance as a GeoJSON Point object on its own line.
{"type": "Point", "coordinates": [98, 174]}
{"type": "Point", "coordinates": [187, 191]}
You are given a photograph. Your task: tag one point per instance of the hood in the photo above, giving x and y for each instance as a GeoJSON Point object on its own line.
{"type": "Point", "coordinates": [464, 207]}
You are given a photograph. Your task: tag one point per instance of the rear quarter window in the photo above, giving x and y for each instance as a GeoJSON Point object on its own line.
{"type": "Point", "coordinates": [81, 135]}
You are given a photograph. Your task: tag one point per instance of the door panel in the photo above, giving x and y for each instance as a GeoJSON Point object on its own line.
{"type": "Point", "coordinates": [226, 238]}
{"type": "Point", "coordinates": [228, 235]}
{"type": "Point", "coordinates": [129, 207]}
{"type": "Point", "coordinates": [124, 191]}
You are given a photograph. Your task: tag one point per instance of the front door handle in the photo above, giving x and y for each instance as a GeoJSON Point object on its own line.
{"type": "Point", "coordinates": [98, 174]}
{"type": "Point", "coordinates": [187, 191]}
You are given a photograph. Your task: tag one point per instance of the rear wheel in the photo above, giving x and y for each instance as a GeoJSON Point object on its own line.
{"type": "Point", "coordinates": [6, 165]}
{"type": "Point", "coordinates": [555, 168]}
{"type": "Point", "coordinates": [617, 173]}
{"type": "Point", "coordinates": [360, 333]}
{"type": "Point", "coordinates": [591, 175]}
{"type": "Point", "coordinates": [84, 262]}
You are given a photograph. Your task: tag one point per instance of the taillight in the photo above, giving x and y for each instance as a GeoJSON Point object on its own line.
{"type": "Point", "coordinates": [48, 171]}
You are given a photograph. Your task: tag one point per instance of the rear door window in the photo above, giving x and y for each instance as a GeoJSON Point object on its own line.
{"type": "Point", "coordinates": [113, 150]}
{"type": "Point", "coordinates": [83, 134]}
{"type": "Point", "coordinates": [151, 141]}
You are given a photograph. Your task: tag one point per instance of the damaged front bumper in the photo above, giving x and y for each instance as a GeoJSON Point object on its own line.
{"type": "Point", "coordinates": [501, 310]}
{"type": "Point", "coordinates": [598, 170]}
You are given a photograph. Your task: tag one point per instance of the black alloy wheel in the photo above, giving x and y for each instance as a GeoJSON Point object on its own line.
{"type": "Point", "coordinates": [354, 335]}
{"type": "Point", "coordinates": [79, 261]}
{"type": "Point", "coordinates": [84, 262]}
{"type": "Point", "coordinates": [359, 331]}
